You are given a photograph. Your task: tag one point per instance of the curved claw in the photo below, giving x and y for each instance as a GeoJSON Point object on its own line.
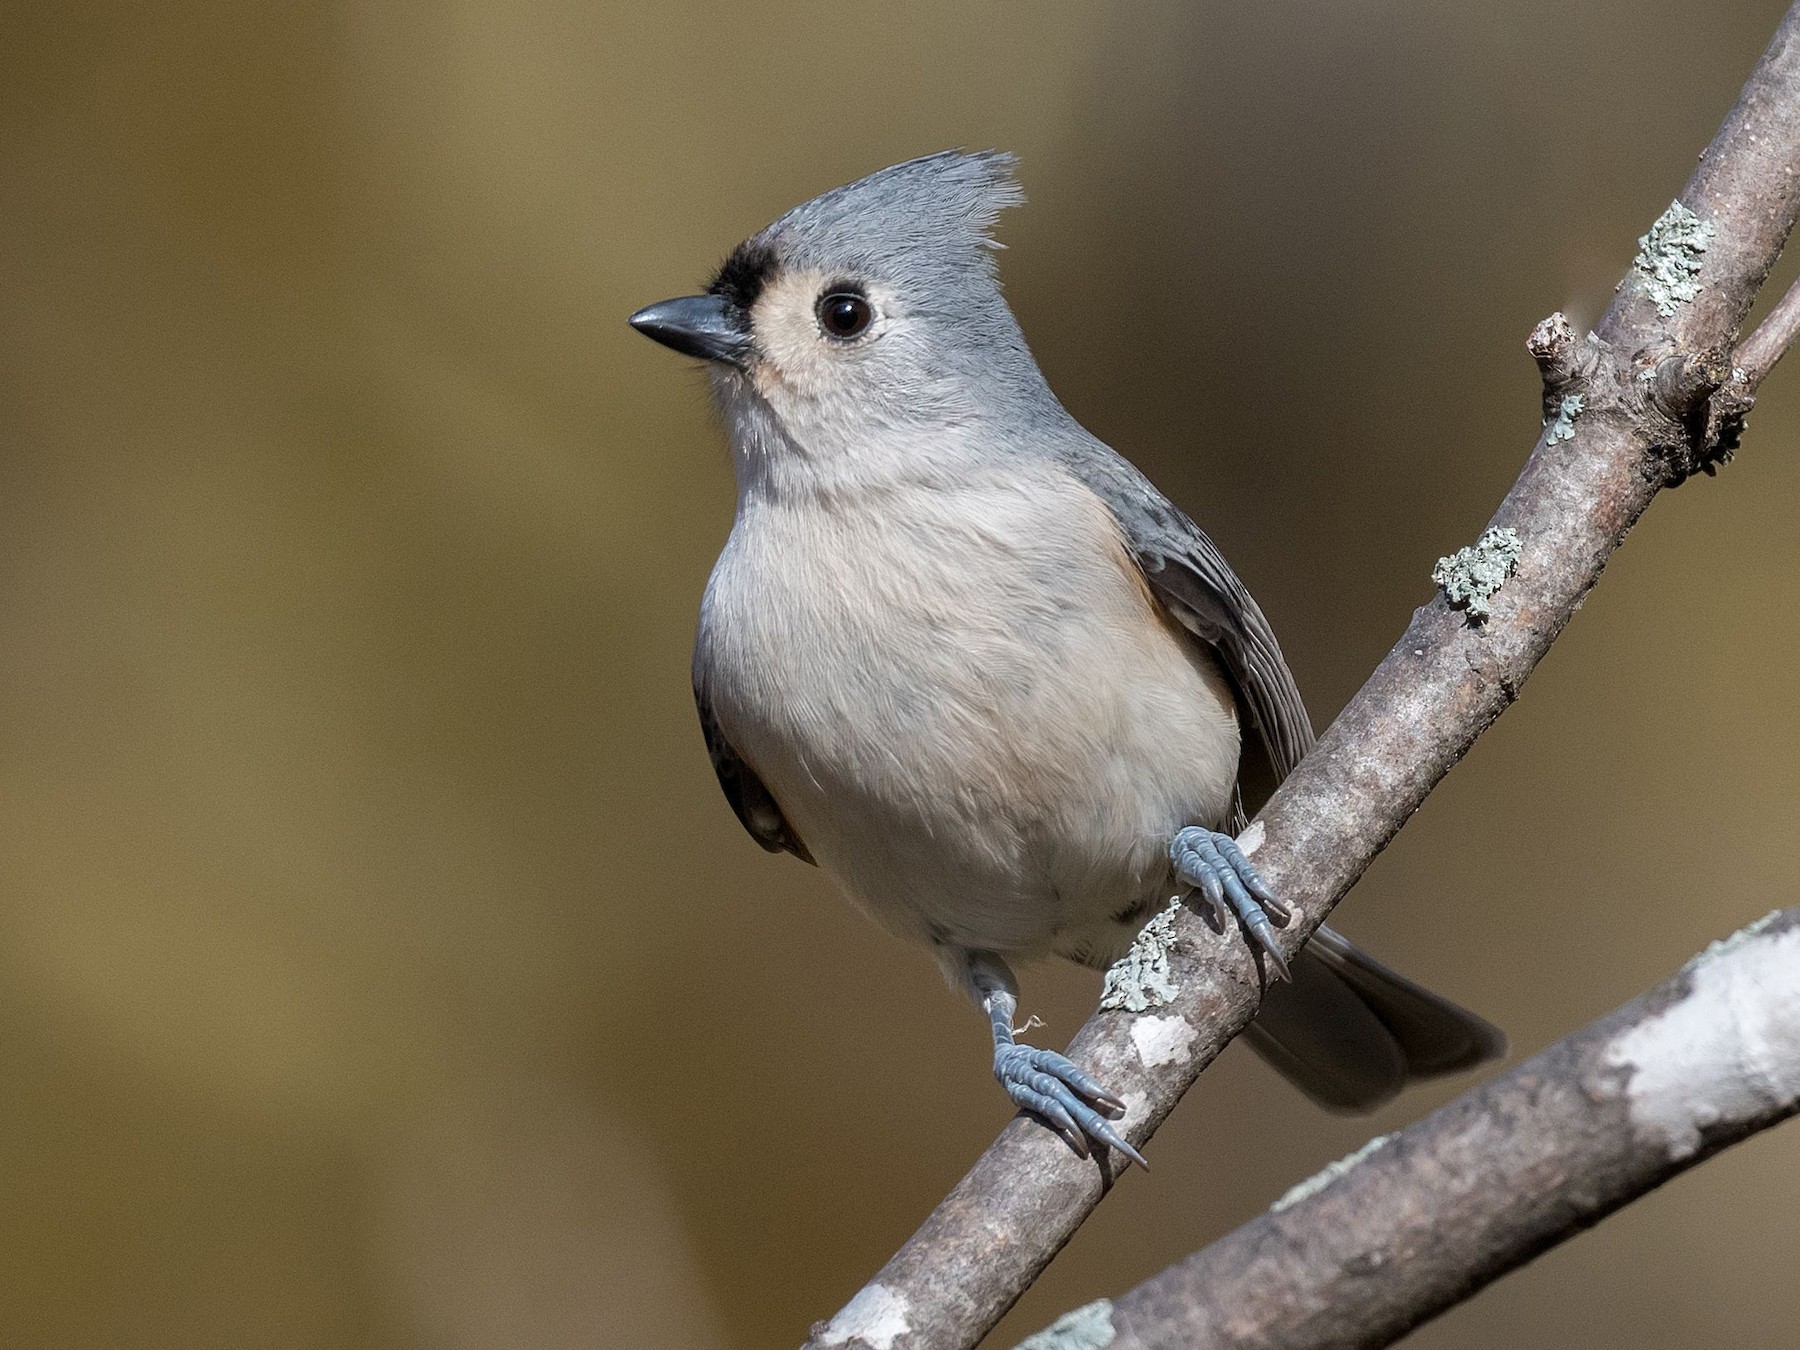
{"type": "Point", "coordinates": [1053, 1088]}
{"type": "Point", "coordinates": [1262, 931]}
{"type": "Point", "coordinates": [1217, 916]}
{"type": "Point", "coordinates": [1104, 1132]}
{"type": "Point", "coordinates": [1253, 881]}
{"type": "Point", "coordinates": [1051, 1112]}
{"type": "Point", "coordinates": [1215, 865]}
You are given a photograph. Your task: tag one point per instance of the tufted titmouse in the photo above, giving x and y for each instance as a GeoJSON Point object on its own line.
{"type": "Point", "coordinates": [968, 660]}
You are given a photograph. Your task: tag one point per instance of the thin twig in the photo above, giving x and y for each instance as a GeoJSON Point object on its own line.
{"type": "Point", "coordinates": [1416, 1222]}
{"type": "Point", "coordinates": [1642, 423]}
{"type": "Point", "coordinates": [1757, 354]}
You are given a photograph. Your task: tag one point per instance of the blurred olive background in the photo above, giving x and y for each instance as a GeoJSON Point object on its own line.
{"type": "Point", "coordinates": [379, 963]}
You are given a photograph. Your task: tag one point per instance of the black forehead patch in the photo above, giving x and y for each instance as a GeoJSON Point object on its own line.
{"type": "Point", "coordinates": [744, 274]}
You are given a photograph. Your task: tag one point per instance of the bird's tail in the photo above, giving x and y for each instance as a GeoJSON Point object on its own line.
{"type": "Point", "coordinates": [1350, 1033]}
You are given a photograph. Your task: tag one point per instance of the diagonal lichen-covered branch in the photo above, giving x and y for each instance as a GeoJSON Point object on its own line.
{"type": "Point", "coordinates": [1415, 1222]}
{"type": "Point", "coordinates": [1646, 419]}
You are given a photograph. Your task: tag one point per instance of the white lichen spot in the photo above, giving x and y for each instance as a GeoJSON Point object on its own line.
{"type": "Point", "coordinates": [876, 1317]}
{"type": "Point", "coordinates": [1140, 979]}
{"type": "Point", "coordinates": [1252, 838]}
{"type": "Point", "coordinates": [1161, 1040]}
{"type": "Point", "coordinates": [1562, 426]}
{"type": "Point", "coordinates": [1728, 1051]}
{"type": "Point", "coordinates": [1471, 576]}
{"type": "Point", "coordinates": [1137, 1107]}
{"type": "Point", "coordinates": [1089, 1327]}
{"type": "Point", "coordinates": [1332, 1171]}
{"type": "Point", "coordinates": [1669, 257]}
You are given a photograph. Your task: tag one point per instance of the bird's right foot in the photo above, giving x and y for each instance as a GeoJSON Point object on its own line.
{"type": "Point", "coordinates": [1213, 864]}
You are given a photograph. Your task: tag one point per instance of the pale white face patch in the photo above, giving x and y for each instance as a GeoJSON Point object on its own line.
{"type": "Point", "coordinates": [799, 359]}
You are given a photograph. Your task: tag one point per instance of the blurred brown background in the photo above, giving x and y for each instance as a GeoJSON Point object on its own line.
{"type": "Point", "coordinates": [379, 964]}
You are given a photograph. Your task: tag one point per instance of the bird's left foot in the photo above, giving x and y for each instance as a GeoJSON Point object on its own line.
{"type": "Point", "coordinates": [1064, 1097]}
{"type": "Point", "coordinates": [1213, 864]}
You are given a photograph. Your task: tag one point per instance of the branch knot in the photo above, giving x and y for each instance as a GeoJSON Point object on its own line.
{"type": "Point", "coordinates": [1677, 392]}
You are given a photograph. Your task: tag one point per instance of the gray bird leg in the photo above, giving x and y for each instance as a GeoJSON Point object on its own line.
{"type": "Point", "coordinates": [1213, 864]}
{"type": "Point", "coordinates": [1046, 1084]}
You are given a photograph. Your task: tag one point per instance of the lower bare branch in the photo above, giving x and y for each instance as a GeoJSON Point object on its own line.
{"type": "Point", "coordinates": [1416, 1222]}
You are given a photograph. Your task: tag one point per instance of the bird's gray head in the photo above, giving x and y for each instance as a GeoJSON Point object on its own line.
{"type": "Point", "coordinates": [871, 313]}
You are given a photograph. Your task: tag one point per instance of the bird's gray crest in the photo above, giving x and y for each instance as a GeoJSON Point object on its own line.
{"type": "Point", "coordinates": [908, 223]}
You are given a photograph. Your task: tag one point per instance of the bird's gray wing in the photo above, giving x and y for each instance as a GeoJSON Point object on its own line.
{"type": "Point", "coordinates": [1187, 574]}
{"type": "Point", "coordinates": [1348, 1031]}
{"type": "Point", "coordinates": [754, 804]}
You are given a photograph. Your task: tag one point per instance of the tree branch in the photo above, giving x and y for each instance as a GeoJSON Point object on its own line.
{"type": "Point", "coordinates": [1416, 1222]}
{"type": "Point", "coordinates": [1757, 354]}
{"type": "Point", "coordinates": [1643, 420]}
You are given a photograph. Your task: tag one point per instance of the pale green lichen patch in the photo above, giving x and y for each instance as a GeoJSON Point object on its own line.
{"type": "Point", "coordinates": [1471, 576]}
{"type": "Point", "coordinates": [1331, 1172]}
{"type": "Point", "coordinates": [1669, 257]}
{"type": "Point", "coordinates": [1089, 1327]}
{"type": "Point", "coordinates": [1562, 426]}
{"type": "Point", "coordinates": [1140, 979]}
{"type": "Point", "coordinates": [1726, 945]}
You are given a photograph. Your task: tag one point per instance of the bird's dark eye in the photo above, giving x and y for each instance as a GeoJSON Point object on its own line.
{"type": "Point", "coordinates": [845, 314]}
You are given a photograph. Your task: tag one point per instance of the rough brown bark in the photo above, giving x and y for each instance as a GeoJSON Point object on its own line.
{"type": "Point", "coordinates": [1644, 421]}
{"type": "Point", "coordinates": [1418, 1221]}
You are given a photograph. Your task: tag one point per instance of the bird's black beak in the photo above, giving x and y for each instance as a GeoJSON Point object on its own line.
{"type": "Point", "coordinates": [707, 326]}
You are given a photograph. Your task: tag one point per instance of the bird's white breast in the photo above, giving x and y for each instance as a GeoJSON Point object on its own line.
{"type": "Point", "coordinates": [966, 702]}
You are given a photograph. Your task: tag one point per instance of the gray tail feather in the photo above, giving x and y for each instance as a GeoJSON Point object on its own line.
{"type": "Point", "coordinates": [1350, 1033]}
